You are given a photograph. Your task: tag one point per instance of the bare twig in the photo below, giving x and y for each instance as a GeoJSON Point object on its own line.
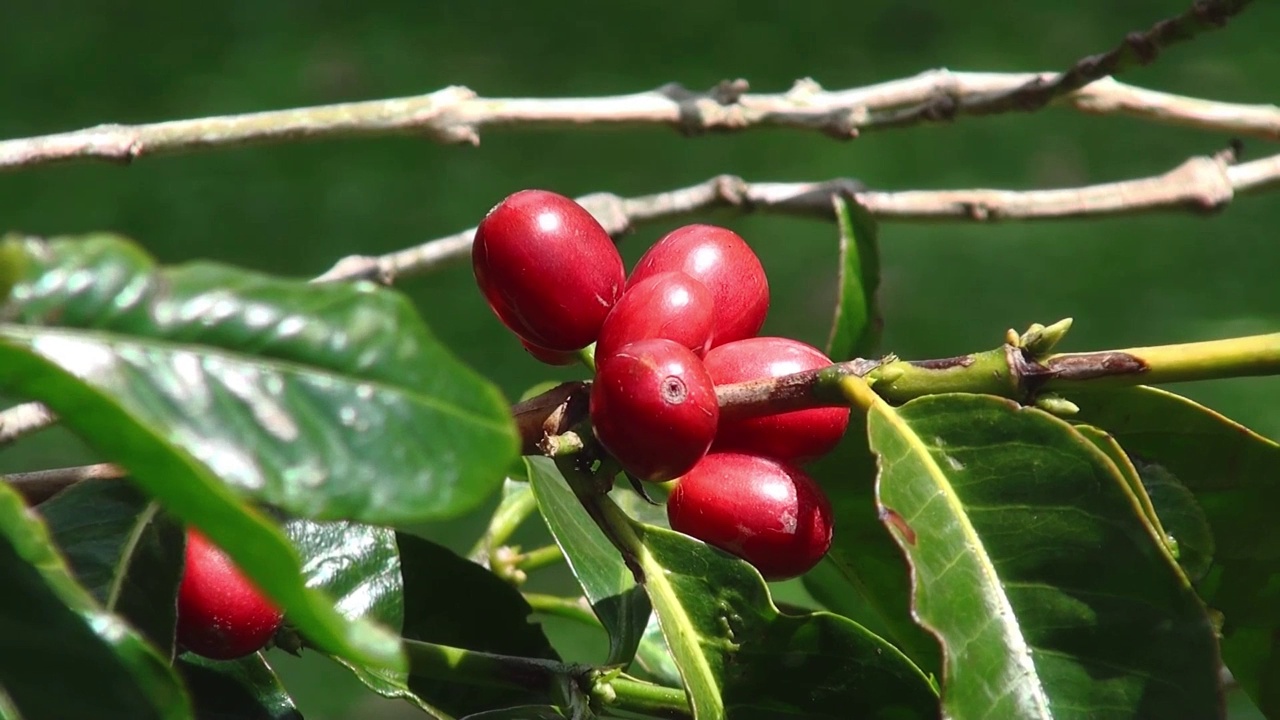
{"type": "Point", "coordinates": [1137, 48]}
{"type": "Point", "coordinates": [1200, 184]}
{"type": "Point", "coordinates": [24, 419]}
{"type": "Point", "coordinates": [41, 485]}
{"type": "Point", "coordinates": [457, 114]}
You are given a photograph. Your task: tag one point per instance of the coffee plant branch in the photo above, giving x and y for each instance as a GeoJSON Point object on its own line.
{"type": "Point", "coordinates": [457, 114]}
{"type": "Point", "coordinates": [23, 419]}
{"type": "Point", "coordinates": [1200, 184]}
{"type": "Point", "coordinates": [1022, 369]}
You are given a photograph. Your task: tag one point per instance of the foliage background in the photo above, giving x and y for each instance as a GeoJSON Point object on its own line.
{"type": "Point", "coordinates": [948, 288]}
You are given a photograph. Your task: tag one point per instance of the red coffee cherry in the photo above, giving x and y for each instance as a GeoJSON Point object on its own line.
{"type": "Point", "coordinates": [548, 270]}
{"type": "Point", "coordinates": [668, 305]}
{"type": "Point", "coordinates": [221, 614]}
{"type": "Point", "coordinates": [798, 436]}
{"type": "Point", "coordinates": [653, 407]}
{"type": "Point", "coordinates": [720, 259]}
{"type": "Point", "coordinates": [766, 512]}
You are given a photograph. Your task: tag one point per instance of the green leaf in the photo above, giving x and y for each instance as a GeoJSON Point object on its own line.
{"type": "Point", "coordinates": [449, 600]}
{"type": "Point", "coordinates": [742, 659]}
{"type": "Point", "coordinates": [1034, 565]}
{"type": "Point", "coordinates": [187, 488]}
{"type": "Point", "coordinates": [621, 604]}
{"type": "Point", "coordinates": [65, 657]}
{"type": "Point", "coordinates": [1106, 442]}
{"type": "Point", "coordinates": [124, 550]}
{"type": "Point", "coordinates": [243, 689]}
{"type": "Point", "coordinates": [1182, 517]}
{"type": "Point", "coordinates": [351, 408]}
{"type": "Point", "coordinates": [857, 325]}
{"type": "Point", "coordinates": [1232, 473]}
{"type": "Point", "coordinates": [865, 575]}
{"type": "Point", "coordinates": [478, 612]}
{"type": "Point", "coordinates": [357, 565]}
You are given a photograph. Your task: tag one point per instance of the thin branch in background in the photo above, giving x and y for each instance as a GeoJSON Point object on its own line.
{"type": "Point", "coordinates": [22, 420]}
{"type": "Point", "coordinates": [1201, 184]}
{"type": "Point", "coordinates": [1137, 48]}
{"type": "Point", "coordinates": [457, 114]}
{"type": "Point", "coordinates": [41, 485]}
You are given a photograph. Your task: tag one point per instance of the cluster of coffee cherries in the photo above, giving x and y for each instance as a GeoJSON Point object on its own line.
{"type": "Point", "coordinates": [683, 323]}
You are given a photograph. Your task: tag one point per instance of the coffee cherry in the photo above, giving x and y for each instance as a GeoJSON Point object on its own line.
{"type": "Point", "coordinates": [668, 305]}
{"type": "Point", "coordinates": [720, 259]}
{"type": "Point", "coordinates": [653, 407]}
{"type": "Point", "coordinates": [766, 512]}
{"type": "Point", "coordinates": [221, 614]}
{"type": "Point", "coordinates": [548, 270]}
{"type": "Point", "coordinates": [797, 436]}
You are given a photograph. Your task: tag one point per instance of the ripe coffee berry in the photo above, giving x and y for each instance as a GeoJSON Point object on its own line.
{"type": "Point", "coordinates": [766, 512]}
{"type": "Point", "coordinates": [797, 436]}
{"type": "Point", "coordinates": [653, 407]}
{"type": "Point", "coordinates": [548, 270]}
{"type": "Point", "coordinates": [668, 305]}
{"type": "Point", "coordinates": [720, 259]}
{"type": "Point", "coordinates": [221, 614]}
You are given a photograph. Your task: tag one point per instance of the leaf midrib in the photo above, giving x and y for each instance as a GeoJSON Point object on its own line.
{"type": "Point", "coordinates": [700, 684]}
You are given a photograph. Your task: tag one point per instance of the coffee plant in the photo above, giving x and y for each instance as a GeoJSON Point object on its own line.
{"type": "Point", "coordinates": [1015, 532]}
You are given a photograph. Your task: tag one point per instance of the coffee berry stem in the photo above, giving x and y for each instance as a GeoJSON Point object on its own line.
{"type": "Point", "coordinates": [601, 688]}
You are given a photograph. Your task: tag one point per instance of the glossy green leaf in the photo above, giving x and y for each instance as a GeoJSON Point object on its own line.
{"type": "Point", "coordinates": [1181, 517]}
{"type": "Point", "coordinates": [1033, 563]}
{"type": "Point", "coordinates": [1106, 442]}
{"type": "Point", "coordinates": [857, 325]}
{"type": "Point", "coordinates": [243, 689]}
{"type": "Point", "coordinates": [357, 565]}
{"type": "Point", "coordinates": [124, 549]}
{"type": "Point", "coordinates": [1232, 473]}
{"type": "Point", "coordinates": [865, 575]}
{"type": "Point", "coordinates": [449, 600]}
{"type": "Point", "coordinates": [188, 489]}
{"type": "Point", "coordinates": [329, 400]}
{"type": "Point", "coordinates": [742, 659]}
{"type": "Point", "coordinates": [621, 604]}
{"type": "Point", "coordinates": [63, 655]}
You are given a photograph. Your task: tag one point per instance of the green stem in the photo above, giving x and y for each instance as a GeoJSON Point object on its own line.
{"type": "Point", "coordinates": [587, 356]}
{"type": "Point", "coordinates": [1007, 373]}
{"type": "Point", "coordinates": [540, 558]}
{"type": "Point", "coordinates": [1208, 360]}
{"type": "Point", "coordinates": [513, 510]}
{"type": "Point", "coordinates": [644, 700]}
{"type": "Point", "coordinates": [623, 696]}
{"type": "Point", "coordinates": [576, 609]}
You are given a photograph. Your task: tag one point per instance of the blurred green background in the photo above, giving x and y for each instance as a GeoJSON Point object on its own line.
{"type": "Point", "coordinates": [948, 288]}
